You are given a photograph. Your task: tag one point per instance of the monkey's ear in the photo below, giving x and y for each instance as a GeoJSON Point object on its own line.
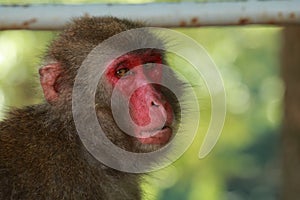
{"type": "Point", "coordinates": [48, 78]}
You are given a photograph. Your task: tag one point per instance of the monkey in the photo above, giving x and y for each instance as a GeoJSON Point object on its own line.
{"type": "Point", "coordinates": [41, 154]}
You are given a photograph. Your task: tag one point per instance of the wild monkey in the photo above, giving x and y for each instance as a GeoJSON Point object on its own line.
{"type": "Point", "coordinates": [41, 154]}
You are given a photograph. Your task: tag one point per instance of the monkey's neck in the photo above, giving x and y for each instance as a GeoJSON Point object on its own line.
{"type": "Point", "coordinates": [63, 126]}
{"type": "Point", "coordinates": [33, 137]}
{"type": "Point", "coordinates": [54, 126]}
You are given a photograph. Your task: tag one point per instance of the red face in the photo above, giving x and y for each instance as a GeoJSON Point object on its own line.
{"type": "Point", "coordinates": [135, 74]}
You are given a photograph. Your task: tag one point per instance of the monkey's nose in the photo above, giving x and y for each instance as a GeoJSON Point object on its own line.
{"type": "Point", "coordinates": [158, 113]}
{"type": "Point", "coordinates": [155, 103]}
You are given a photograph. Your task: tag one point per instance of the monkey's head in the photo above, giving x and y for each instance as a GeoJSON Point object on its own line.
{"type": "Point", "coordinates": [134, 77]}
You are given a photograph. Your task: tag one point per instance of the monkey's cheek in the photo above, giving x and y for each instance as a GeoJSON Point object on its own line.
{"type": "Point", "coordinates": [160, 137]}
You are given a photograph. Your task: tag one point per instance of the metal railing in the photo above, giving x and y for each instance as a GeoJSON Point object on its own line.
{"type": "Point", "coordinates": [53, 17]}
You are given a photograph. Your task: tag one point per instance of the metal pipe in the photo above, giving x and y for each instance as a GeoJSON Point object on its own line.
{"type": "Point", "coordinates": [53, 17]}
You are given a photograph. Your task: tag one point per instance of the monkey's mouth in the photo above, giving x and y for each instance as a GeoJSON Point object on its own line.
{"type": "Point", "coordinates": [156, 136]}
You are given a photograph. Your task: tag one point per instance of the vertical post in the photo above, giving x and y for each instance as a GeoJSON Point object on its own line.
{"type": "Point", "coordinates": [291, 120]}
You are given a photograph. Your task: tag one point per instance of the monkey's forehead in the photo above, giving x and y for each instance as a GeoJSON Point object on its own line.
{"type": "Point", "coordinates": [85, 33]}
{"type": "Point", "coordinates": [98, 28]}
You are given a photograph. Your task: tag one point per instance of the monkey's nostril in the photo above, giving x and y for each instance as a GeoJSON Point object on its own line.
{"type": "Point", "coordinates": [153, 103]}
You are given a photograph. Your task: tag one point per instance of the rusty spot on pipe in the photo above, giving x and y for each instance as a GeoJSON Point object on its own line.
{"type": "Point", "coordinates": [244, 21]}
{"type": "Point", "coordinates": [28, 22]}
{"type": "Point", "coordinates": [182, 23]}
{"type": "Point", "coordinates": [292, 15]}
{"type": "Point", "coordinates": [10, 27]}
{"type": "Point", "coordinates": [194, 20]}
{"type": "Point", "coordinates": [271, 22]}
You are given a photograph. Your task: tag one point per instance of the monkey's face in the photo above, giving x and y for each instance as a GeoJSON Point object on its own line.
{"type": "Point", "coordinates": [143, 110]}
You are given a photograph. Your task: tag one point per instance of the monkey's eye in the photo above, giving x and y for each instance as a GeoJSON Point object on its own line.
{"type": "Point", "coordinates": [122, 72]}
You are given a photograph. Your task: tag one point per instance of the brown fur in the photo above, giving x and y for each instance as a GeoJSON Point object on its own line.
{"type": "Point", "coordinates": [42, 158]}
{"type": "Point", "coordinates": [41, 155]}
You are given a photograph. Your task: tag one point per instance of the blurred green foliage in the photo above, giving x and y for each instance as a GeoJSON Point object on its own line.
{"type": "Point", "coordinates": [245, 162]}
{"type": "Point", "coordinates": [20, 57]}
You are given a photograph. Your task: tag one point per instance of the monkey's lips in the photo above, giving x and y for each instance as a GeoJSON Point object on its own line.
{"type": "Point", "coordinates": [159, 136]}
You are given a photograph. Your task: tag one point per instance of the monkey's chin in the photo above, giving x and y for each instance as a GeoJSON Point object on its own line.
{"type": "Point", "coordinates": [159, 137]}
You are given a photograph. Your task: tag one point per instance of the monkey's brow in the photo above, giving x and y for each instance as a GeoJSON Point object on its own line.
{"type": "Point", "coordinates": [123, 62]}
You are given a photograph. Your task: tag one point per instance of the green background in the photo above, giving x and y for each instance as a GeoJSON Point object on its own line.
{"type": "Point", "coordinates": [245, 163]}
